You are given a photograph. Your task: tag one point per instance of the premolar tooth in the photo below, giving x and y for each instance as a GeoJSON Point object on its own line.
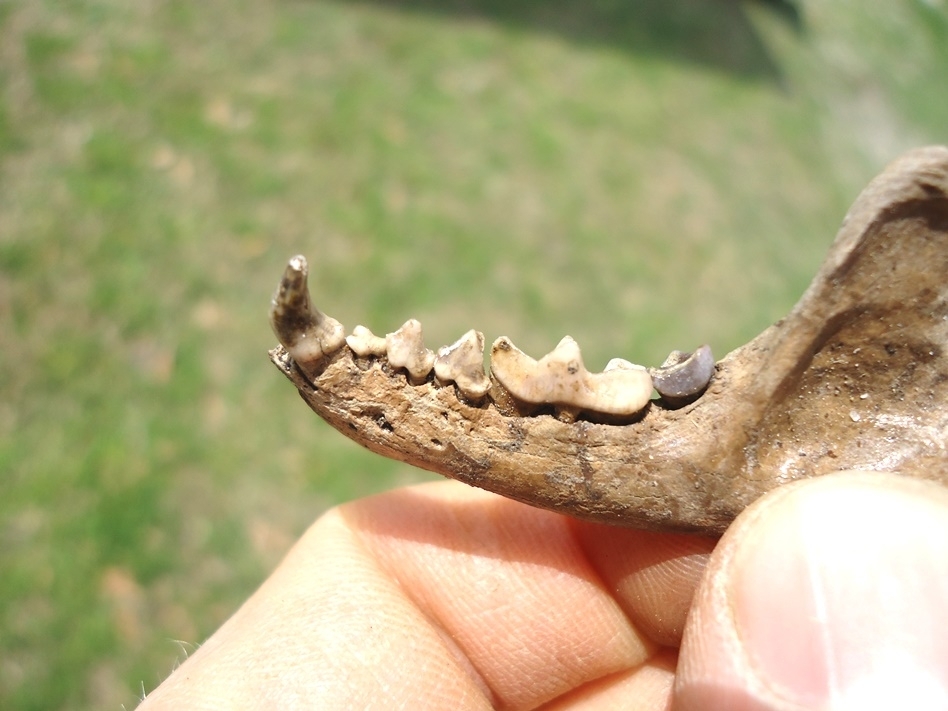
{"type": "Point", "coordinates": [684, 375]}
{"type": "Point", "coordinates": [365, 343]}
{"type": "Point", "coordinates": [463, 363]}
{"type": "Point", "coordinates": [560, 378]}
{"type": "Point", "coordinates": [406, 349]}
{"type": "Point", "coordinates": [307, 334]}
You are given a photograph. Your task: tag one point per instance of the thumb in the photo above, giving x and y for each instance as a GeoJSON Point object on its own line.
{"type": "Point", "coordinates": [831, 593]}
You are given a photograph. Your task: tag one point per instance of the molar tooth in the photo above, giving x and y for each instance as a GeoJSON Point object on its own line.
{"type": "Point", "coordinates": [406, 349]}
{"type": "Point", "coordinates": [561, 379]}
{"type": "Point", "coordinates": [684, 375]}
{"type": "Point", "coordinates": [463, 363]}
{"type": "Point", "coordinates": [307, 334]}
{"type": "Point", "coordinates": [365, 343]}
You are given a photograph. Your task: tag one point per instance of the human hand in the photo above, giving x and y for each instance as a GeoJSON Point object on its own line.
{"type": "Point", "coordinates": [830, 593]}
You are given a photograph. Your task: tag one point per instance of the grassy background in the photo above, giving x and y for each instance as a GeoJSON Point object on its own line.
{"type": "Point", "coordinates": [643, 175]}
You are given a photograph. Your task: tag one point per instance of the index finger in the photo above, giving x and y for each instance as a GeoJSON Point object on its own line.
{"type": "Point", "coordinates": [536, 603]}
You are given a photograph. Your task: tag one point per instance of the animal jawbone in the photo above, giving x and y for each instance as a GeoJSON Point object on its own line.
{"type": "Point", "coordinates": [855, 377]}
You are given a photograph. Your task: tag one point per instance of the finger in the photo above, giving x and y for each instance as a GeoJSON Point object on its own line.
{"type": "Point", "coordinates": [328, 630]}
{"type": "Point", "coordinates": [645, 688]}
{"type": "Point", "coordinates": [827, 594]}
{"type": "Point", "coordinates": [653, 576]}
{"type": "Point", "coordinates": [507, 583]}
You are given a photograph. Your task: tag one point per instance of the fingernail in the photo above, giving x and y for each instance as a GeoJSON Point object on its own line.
{"type": "Point", "coordinates": [842, 601]}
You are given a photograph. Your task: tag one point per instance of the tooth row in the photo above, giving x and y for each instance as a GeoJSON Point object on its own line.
{"type": "Point", "coordinates": [559, 378]}
{"type": "Point", "coordinates": [461, 363]}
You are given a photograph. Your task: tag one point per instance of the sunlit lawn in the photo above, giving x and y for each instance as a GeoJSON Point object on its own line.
{"type": "Point", "coordinates": [643, 176]}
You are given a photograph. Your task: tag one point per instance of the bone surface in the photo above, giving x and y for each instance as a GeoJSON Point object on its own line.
{"type": "Point", "coordinates": [463, 364]}
{"type": "Point", "coordinates": [854, 377]}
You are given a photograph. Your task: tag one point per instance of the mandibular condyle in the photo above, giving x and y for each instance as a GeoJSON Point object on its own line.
{"type": "Point", "coordinates": [855, 377]}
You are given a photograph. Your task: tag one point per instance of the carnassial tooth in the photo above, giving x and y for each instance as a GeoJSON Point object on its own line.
{"type": "Point", "coordinates": [365, 343]}
{"type": "Point", "coordinates": [560, 378]}
{"type": "Point", "coordinates": [406, 349]}
{"type": "Point", "coordinates": [463, 363]}
{"type": "Point", "coordinates": [307, 334]}
{"type": "Point", "coordinates": [621, 364]}
{"type": "Point", "coordinates": [684, 375]}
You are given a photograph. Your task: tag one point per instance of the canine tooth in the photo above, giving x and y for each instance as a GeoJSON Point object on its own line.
{"type": "Point", "coordinates": [463, 363]}
{"type": "Point", "coordinates": [684, 375]}
{"type": "Point", "coordinates": [560, 378]}
{"type": "Point", "coordinates": [406, 349]}
{"type": "Point", "coordinates": [365, 343]}
{"type": "Point", "coordinates": [307, 334]}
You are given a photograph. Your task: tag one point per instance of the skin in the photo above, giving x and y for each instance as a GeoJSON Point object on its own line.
{"type": "Point", "coordinates": [825, 594]}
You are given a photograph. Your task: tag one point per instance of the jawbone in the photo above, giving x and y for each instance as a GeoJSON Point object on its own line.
{"type": "Point", "coordinates": [855, 377]}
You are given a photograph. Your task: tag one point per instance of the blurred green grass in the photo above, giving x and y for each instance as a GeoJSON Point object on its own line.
{"type": "Point", "coordinates": [643, 176]}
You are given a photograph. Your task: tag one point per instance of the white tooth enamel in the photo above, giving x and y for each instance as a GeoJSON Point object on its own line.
{"type": "Point", "coordinates": [560, 378]}
{"type": "Point", "coordinates": [463, 364]}
{"type": "Point", "coordinates": [406, 349]}
{"type": "Point", "coordinates": [622, 364]}
{"type": "Point", "coordinates": [365, 343]}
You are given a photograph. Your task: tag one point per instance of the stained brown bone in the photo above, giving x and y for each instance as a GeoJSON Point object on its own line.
{"type": "Point", "coordinates": [856, 376]}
